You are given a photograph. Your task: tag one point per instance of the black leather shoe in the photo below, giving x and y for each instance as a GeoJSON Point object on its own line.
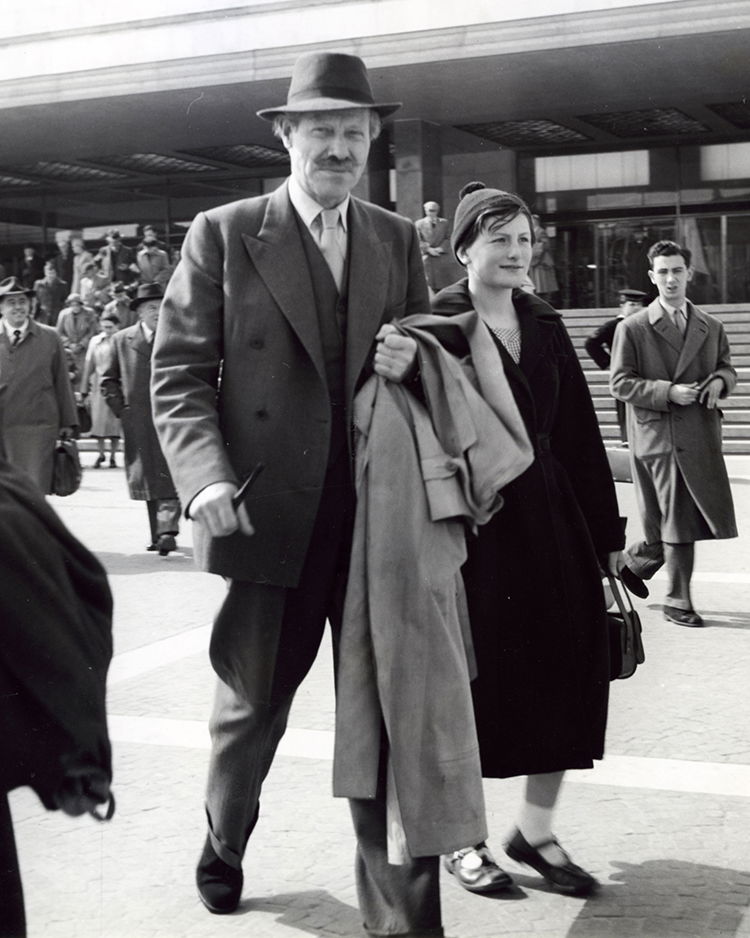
{"type": "Point", "coordinates": [633, 583]}
{"type": "Point", "coordinates": [568, 878]}
{"type": "Point", "coordinates": [688, 617]}
{"type": "Point", "coordinates": [165, 544]}
{"type": "Point", "coordinates": [219, 885]}
{"type": "Point", "coordinates": [475, 869]}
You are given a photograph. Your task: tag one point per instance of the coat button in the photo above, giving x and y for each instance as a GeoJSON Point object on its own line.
{"type": "Point", "coordinates": [261, 414]}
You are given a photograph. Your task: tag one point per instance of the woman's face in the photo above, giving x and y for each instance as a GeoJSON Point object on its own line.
{"type": "Point", "coordinates": [500, 255]}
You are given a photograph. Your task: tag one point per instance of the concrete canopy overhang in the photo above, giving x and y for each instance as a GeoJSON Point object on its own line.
{"type": "Point", "coordinates": [687, 55]}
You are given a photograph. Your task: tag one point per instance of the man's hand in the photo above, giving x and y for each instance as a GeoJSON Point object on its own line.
{"type": "Point", "coordinates": [683, 394]}
{"type": "Point", "coordinates": [711, 392]}
{"type": "Point", "coordinates": [65, 433]}
{"type": "Point", "coordinates": [212, 507]}
{"type": "Point", "coordinates": [395, 354]}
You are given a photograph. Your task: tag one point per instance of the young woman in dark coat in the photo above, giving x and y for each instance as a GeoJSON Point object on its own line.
{"type": "Point", "coordinates": [534, 573]}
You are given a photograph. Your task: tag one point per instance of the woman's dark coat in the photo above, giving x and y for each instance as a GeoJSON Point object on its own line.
{"type": "Point", "coordinates": [532, 575]}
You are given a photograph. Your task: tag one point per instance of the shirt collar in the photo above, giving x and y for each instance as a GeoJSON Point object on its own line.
{"type": "Point", "coordinates": [308, 209]}
{"type": "Point", "coordinates": [149, 333]}
{"type": "Point", "coordinates": [11, 329]}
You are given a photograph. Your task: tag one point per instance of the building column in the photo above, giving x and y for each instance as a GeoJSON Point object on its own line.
{"type": "Point", "coordinates": [418, 147]}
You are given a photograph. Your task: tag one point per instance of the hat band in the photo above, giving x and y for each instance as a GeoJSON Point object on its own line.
{"type": "Point", "coordinates": [330, 91]}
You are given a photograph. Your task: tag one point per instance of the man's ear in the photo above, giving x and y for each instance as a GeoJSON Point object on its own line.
{"type": "Point", "coordinates": [651, 276]}
{"type": "Point", "coordinates": [690, 272]}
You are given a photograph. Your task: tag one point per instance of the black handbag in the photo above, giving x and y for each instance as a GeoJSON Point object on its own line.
{"type": "Point", "coordinates": [66, 468]}
{"type": "Point", "coordinates": [625, 640]}
{"type": "Point", "coordinates": [84, 418]}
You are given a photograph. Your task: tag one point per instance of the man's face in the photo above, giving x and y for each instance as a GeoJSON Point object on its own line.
{"type": "Point", "coordinates": [671, 276]}
{"type": "Point", "coordinates": [114, 242]}
{"type": "Point", "coordinates": [431, 210]}
{"type": "Point", "coordinates": [15, 309]}
{"type": "Point", "coordinates": [149, 236]}
{"type": "Point", "coordinates": [328, 153]}
{"type": "Point", "coordinates": [148, 312]}
{"type": "Point", "coordinates": [77, 245]}
{"type": "Point", "coordinates": [49, 271]}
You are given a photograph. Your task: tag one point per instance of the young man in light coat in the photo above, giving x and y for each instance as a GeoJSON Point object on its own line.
{"type": "Point", "coordinates": [671, 366]}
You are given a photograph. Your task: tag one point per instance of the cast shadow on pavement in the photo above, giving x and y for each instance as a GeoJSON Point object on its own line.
{"type": "Point", "coordinates": [181, 561]}
{"type": "Point", "coordinates": [666, 899]}
{"type": "Point", "coordinates": [312, 912]}
{"type": "Point", "coordinates": [715, 618]}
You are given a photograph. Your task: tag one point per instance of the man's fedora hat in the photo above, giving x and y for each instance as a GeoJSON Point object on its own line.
{"type": "Point", "coordinates": [329, 81]}
{"type": "Point", "coordinates": [12, 286]}
{"type": "Point", "coordinates": [146, 292]}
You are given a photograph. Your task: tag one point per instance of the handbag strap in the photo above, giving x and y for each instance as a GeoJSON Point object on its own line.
{"type": "Point", "coordinates": [618, 588]}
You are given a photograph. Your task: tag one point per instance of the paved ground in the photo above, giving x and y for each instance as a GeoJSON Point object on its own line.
{"type": "Point", "coordinates": [664, 821]}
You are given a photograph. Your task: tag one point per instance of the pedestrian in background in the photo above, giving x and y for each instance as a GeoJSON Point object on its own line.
{"type": "Point", "coordinates": [671, 365]}
{"type": "Point", "coordinates": [38, 401]}
{"type": "Point", "coordinates": [119, 305]}
{"type": "Point", "coordinates": [49, 295]}
{"type": "Point", "coordinates": [434, 243]}
{"type": "Point", "coordinates": [152, 260]}
{"type": "Point", "coordinates": [125, 383]}
{"type": "Point", "coordinates": [533, 572]}
{"type": "Point", "coordinates": [267, 330]}
{"type": "Point", "coordinates": [81, 257]}
{"type": "Point", "coordinates": [116, 261]}
{"type": "Point", "coordinates": [76, 325]}
{"type": "Point", "coordinates": [599, 344]}
{"type": "Point", "coordinates": [104, 425]}
{"type": "Point", "coordinates": [32, 268]}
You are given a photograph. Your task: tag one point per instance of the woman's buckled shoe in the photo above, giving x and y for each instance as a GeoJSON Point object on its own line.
{"type": "Point", "coordinates": [476, 870]}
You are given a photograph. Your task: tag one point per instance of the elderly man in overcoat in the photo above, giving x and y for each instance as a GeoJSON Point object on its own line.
{"type": "Point", "coordinates": [38, 401]}
{"type": "Point", "coordinates": [125, 385]}
{"type": "Point", "coordinates": [268, 328]}
{"type": "Point", "coordinates": [671, 365]}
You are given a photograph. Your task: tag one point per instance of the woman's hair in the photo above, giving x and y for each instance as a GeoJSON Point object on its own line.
{"type": "Point", "coordinates": [478, 208]}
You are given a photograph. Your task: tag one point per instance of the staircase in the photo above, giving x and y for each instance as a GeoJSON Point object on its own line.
{"type": "Point", "coordinates": [736, 320]}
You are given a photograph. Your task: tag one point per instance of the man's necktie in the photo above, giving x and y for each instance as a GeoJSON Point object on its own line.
{"type": "Point", "coordinates": [16, 336]}
{"type": "Point", "coordinates": [330, 245]}
{"type": "Point", "coordinates": [680, 320]}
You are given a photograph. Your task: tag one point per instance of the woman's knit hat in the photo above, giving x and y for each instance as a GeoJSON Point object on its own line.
{"type": "Point", "coordinates": [475, 200]}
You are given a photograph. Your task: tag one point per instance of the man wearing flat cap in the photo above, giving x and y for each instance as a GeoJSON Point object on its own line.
{"type": "Point", "coordinates": [599, 344]}
{"type": "Point", "coordinates": [277, 312]}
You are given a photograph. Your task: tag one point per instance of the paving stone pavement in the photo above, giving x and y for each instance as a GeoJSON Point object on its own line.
{"type": "Point", "coordinates": [663, 822]}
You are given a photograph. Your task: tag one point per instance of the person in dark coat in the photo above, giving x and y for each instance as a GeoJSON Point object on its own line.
{"type": "Point", "coordinates": [125, 384]}
{"type": "Point", "coordinates": [599, 344]}
{"type": "Point", "coordinates": [533, 575]}
{"type": "Point", "coordinates": [55, 649]}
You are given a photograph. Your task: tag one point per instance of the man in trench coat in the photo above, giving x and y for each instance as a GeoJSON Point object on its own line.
{"type": "Point", "coordinates": [125, 386]}
{"type": "Point", "coordinates": [38, 401]}
{"type": "Point", "coordinates": [268, 328]}
{"type": "Point", "coordinates": [671, 365]}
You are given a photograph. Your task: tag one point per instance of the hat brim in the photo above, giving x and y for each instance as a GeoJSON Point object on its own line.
{"type": "Point", "coordinates": [327, 104]}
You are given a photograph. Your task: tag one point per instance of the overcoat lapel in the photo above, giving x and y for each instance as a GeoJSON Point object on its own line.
{"type": "Point", "coordinates": [279, 257]}
{"type": "Point", "coordinates": [369, 264]}
{"type": "Point", "coordinates": [138, 342]}
{"type": "Point", "coordinates": [664, 327]}
{"type": "Point", "coordinates": [695, 335]}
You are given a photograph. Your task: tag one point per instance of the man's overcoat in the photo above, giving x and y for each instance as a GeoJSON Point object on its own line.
{"type": "Point", "coordinates": [239, 374]}
{"type": "Point", "coordinates": [37, 400]}
{"type": "Point", "coordinates": [125, 384]}
{"type": "Point", "coordinates": [648, 356]}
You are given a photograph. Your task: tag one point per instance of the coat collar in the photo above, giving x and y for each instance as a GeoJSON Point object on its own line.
{"type": "Point", "coordinates": [137, 340]}
{"type": "Point", "coordinates": [686, 346]}
{"type": "Point", "coordinates": [279, 257]}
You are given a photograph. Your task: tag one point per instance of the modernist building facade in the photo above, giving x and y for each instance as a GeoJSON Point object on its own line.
{"type": "Point", "coordinates": [619, 122]}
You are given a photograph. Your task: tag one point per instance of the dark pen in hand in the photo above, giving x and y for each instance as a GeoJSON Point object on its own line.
{"type": "Point", "coordinates": [242, 492]}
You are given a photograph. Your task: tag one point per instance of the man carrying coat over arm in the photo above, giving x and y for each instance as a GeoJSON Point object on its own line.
{"type": "Point", "coordinates": [267, 330]}
{"type": "Point", "coordinates": [671, 365]}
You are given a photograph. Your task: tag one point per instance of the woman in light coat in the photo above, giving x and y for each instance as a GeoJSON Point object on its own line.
{"type": "Point", "coordinates": [104, 425]}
